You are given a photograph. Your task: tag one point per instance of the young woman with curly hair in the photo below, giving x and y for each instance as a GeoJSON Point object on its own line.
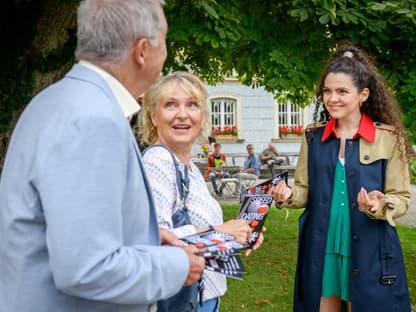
{"type": "Point", "coordinates": [352, 177]}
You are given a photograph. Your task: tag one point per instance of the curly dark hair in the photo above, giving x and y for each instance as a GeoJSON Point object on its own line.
{"type": "Point", "coordinates": [381, 104]}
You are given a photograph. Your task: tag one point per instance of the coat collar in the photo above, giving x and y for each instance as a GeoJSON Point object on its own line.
{"type": "Point", "coordinates": [367, 130]}
{"type": "Point", "coordinates": [126, 101]}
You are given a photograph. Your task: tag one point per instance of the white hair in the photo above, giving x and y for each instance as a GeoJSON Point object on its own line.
{"type": "Point", "coordinates": [107, 29]}
{"type": "Point", "coordinates": [348, 54]}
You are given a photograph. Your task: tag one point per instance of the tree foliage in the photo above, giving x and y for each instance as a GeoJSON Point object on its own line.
{"type": "Point", "coordinates": [258, 40]}
{"type": "Point", "coordinates": [280, 45]}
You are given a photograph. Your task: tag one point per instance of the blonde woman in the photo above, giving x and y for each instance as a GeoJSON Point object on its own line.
{"type": "Point", "coordinates": [175, 114]}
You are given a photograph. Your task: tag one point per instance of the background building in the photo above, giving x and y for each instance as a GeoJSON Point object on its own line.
{"type": "Point", "coordinates": [241, 115]}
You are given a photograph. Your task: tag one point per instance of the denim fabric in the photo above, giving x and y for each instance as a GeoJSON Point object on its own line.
{"type": "Point", "coordinates": [211, 305]}
{"type": "Point", "coordinates": [212, 177]}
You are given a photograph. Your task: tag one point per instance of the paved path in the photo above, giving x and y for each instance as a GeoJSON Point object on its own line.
{"type": "Point", "coordinates": [409, 219]}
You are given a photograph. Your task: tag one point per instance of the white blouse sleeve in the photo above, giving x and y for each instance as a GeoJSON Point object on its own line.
{"type": "Point", "coordinates": [161, 173]}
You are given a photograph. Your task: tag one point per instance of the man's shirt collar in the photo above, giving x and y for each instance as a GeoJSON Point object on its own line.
{"type": "Point", "coordinates": [367, 130]}
{"type": "Point", "coordinates": [127, 102]}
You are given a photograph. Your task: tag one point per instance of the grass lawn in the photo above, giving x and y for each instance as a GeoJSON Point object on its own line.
{"type": "Point", "coordinates": [268, 285]}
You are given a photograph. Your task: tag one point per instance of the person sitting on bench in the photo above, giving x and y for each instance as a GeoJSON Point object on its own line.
{"type": "Point", "coordinates": [251, 168]}
{"type": "Point", "coordinates": [216, 161]}
{"type": "Point", "coordinates": [269, 157]}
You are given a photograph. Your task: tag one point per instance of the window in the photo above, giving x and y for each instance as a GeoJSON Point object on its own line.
{"type": "Point", "coordinates": [289, 114]}
{"type": "Point", "coordinates": [289, 118]}
{"type": "Point", "coordinates": [223, 113]}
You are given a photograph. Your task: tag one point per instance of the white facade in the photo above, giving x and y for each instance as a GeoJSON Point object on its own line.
{"type": "Point", "coordinates": [256, 118]}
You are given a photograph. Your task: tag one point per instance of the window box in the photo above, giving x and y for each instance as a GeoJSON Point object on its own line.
{"type": "Point", "coordinates": [226, 137]}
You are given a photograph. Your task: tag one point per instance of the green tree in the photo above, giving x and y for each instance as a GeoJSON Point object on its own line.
{"type": "Point", "coordinates": [38, 42]}
{"type": "Point", "coordinates": [280, 45]}
{"type": "Point", "coordinates": [387, 30]}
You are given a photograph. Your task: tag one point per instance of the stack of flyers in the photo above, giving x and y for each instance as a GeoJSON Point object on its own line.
{"type": "Point", "coordinates": [231, 267]}
{"type": "Point", "coordinates": [221, 252]}
{"type": "Point", "coordinates": [254, 210]}
{"type": "Point", "coordinates": [264, 187]}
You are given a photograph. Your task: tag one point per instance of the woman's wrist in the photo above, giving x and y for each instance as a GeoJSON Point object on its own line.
{"type": "Point", "coordinates": [291, 193]}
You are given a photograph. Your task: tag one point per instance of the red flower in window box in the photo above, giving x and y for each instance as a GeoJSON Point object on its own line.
{"type": "Point", "coordinates": [226, 130]}
{"type": "Point", "coordinates": [285, 130]}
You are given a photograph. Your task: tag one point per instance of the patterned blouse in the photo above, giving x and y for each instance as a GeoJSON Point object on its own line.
{"type": "Point", "coordinates": [203, 208]}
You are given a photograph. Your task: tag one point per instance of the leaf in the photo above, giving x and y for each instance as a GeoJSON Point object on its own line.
{"type": "Point", "coordinates": [393, 79]}
{"type": "Point", "coordinates": [328, 5]}
{"type": "Point", "coordinates": [324, 19]}
{"type": "Point", "coordinates": [406, 11]}
{"type": "Point", "coordinates": [215, 44]}
{"type": "Point", "coordinates": [210, 10]}
{"type": "Point", "coordinates": [345, 18]}
{"type": "Point", "coordinates": [378, 6]}
{"type": "Point", "coordinates": [354, 19]}
{"type": "Point", "coordinates": [301, 13]}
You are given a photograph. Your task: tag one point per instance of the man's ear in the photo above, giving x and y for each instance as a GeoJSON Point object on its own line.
{"type": "Point", "coordinates": [140, 51]}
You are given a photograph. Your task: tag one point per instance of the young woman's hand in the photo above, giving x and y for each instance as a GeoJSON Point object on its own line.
{"type": "Point", "coordinates": [369, 200]}
{"type": "Point", "coordinates": [281, 192]}
{"type": "Point", "coordinates": [239, 229]}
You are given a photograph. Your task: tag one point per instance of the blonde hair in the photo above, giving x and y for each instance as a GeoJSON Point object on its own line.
{"type": "Point", "coordinates": [160, 92]}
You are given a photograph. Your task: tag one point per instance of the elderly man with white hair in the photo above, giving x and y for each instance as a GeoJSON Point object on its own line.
{"type": "Point", "coordinates": [77, 221]}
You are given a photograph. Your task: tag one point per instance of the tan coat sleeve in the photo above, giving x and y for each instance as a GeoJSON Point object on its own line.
{"type": "Point", "coordinates": [397, 184]}
{"type": "Point", "coordinates": [300, 188]}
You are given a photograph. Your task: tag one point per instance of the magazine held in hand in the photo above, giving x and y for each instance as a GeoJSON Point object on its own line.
{"type": "Point", "coordinates": [220, 250]}
{"type": "Point", "coordinates": [265, 186]}
{"type": "Point", "coordinates": [255, 205]}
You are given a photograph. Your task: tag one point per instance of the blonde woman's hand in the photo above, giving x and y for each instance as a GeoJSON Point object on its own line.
{"type": "Point", "coordinates": [239, 229]}
{"type": "Point", "coordinates": [258, 243]}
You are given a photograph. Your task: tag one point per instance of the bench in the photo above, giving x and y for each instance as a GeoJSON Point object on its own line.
{"type": "Point", "coordinates": [233, 185]}
{"type": "Point", "coordinates": [236, 160]}
{"type": "Point", "coordinates": [289, 164]}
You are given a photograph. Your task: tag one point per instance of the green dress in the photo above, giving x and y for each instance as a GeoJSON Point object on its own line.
{"type": "Point", "coordinates": [337, 263]}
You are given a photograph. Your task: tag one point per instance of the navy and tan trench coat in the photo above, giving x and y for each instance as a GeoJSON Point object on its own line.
{"type": "Point", "coordinates": [378, 278]}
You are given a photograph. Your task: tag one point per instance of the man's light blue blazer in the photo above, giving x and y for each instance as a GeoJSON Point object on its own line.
{"type": "Point", "coordinates": [78, 230]}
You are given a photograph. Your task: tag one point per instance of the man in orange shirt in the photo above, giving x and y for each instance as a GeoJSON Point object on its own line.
{"type": "Point", "coordinates": [216, 161]}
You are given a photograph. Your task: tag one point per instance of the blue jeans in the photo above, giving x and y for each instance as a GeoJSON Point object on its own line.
{"type": "Point", "coordinates": [211, 305]}
{"type": "Point", "coordinates": [212, 177]}
{"type": "Point", "coordinates": [271, 163]}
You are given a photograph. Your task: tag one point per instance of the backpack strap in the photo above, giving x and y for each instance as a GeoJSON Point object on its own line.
{"type": "Point", "coordinates": [182, 180]}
